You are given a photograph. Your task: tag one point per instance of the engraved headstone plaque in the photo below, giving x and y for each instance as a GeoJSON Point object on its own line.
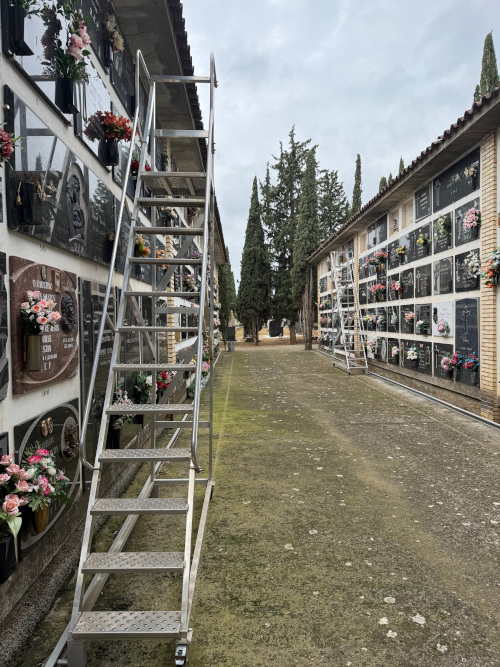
{"type": "Point", "coordinates": [393, 260]}
{"type": "Point", "coordinates": [382, 348]}
{"type": "Point", "coordinates": [406, 325]}
{"type": "Point", "coordinates": [465, 280]}
{"type": "Point", "coordinates": [423, 202]}
{"type": "Point", "coordinates": [393, 358]}
{"type": "Point", "coordinates": [4, 331]}
{"type": "Point", "coordinates": [423, 280]}
{"type": "Point", "coordinates": [381, 319]}
{"type": "Point", "coordinates": [393, 323]}
{"type": "Point", "coordinates": [442, 319]}
{"type": "Point", "coordinates": [407, 282]}
{"type": "Point", "coordinates": [363, 293]}
{"type": "Point", "coordinates": [442, 233]}
{"type": "Point", "coordinates": [440, 351]}
{"type": "Point", "coordinates": [443, 276]}
{"type": "Point", "coordinates": [422, 234]}
{"type": "Point", "coordinates": [423, 314]}
{"type": "Point", "coordinates": [424, 364]}
{"type": "Point", "coordinates": [382, 229]}
{"type": "Point", "coordinates": [454, 184]}
{"type": "Point", "coordinates": [466, 332]}
{"type": "Point", "coordinates": [393, 294]}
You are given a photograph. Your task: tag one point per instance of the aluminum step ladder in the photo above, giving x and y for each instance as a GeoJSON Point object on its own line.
{"type": "Point", "coordinates": [164, 189]}
{"type": "Point", "coordinates": [349, 337]}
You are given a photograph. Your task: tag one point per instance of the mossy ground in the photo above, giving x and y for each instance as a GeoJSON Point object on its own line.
{"type": "Point", "coordinates": [351, 524]}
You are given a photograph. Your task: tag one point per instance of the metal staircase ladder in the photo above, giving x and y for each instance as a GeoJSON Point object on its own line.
{"type": "Point", "coordinates": [349, 339]}
{"type": "Point", "coordinates": [166, 189]}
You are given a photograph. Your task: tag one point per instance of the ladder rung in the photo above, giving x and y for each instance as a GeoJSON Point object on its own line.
{"type": "Point", "coordinates": [120, 506]}
{"type": "Point", "coordinates": [184, 295]}
{"type": "Point", "coordinates": [184, 310]}
{"type": "Point", "coordinates": [165, 260]}
{"type": "Point", "coordinates": [139, 561]}
{"type": "Point", "coordinates": [160, 454]}
{"type": "Point", "coordinates": [145, 408]}
{"type": "Point", "coordinates": [124, 368]}
{"type": "Point", "coordinates": [182, 134]}
{"type": "Point", "coordinates": [173, 174]}
{"type": "Point", "coordinates": [179, 424]}
{"type": "Point", "coordinates": [127, 624]}
{"type": "Point", "coordinates": [164, 329]}
{"type": "Point", "coordinates": [168, 78]}
{"type": "Point", "coordinates": [173, 231]}
{"type": "Point", "coordinates": [171, 201]}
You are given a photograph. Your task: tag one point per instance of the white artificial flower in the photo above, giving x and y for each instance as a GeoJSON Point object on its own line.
{"type": "Point", "coordinates": [51, 471]}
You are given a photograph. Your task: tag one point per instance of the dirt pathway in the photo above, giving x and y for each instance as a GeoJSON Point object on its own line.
{"type": "Point", "coordinates": [351, 524]}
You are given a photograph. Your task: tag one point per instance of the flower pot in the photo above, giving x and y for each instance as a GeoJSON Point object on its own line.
{"type": "Point", "coordinates": [7, 557]}
{"type": "Point", "coordinates": [473, 182]}
{"type": "Point", "coordinates": [25, 199]}
{"type": "Point", "coordinates": [107, 54]}
{"type": "Point", "coordinates": [65, 93]}
{"type": "Point", "coordinates": [138, 419]}
{"type": "Point", "coordinates": [455, 374]}
{"type": "Point", "coordinates": [163, 165]}
{"type": "Point", "coordinates": [41, 519]}
{"type": "Point", "coordinates": [473, 377]}
{"type": "Point", "coordinates": [113, 437]}
{"type": "Point", "coordinates": [108, 152]}
{"type": "Point", "coordinates": [17, 16]}
{"type": "Point", "coordinates": [33, 352]}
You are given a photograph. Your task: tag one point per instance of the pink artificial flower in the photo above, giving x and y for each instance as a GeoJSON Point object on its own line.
{"type": "Point", "coordinates": [23, 501]}
{"type": "Point", "coordinates": [84, 35]}
{"type": "Point", "coordinates": [42, 480]}
{"type": "Point", "coordinates": [42, 303]}
{"type": "Point", "coordinates": [34, 459]}
{"type": "Point", "coordinates": [11, 504]}
{"type": "Point", "coordinates": [55, 316]}
{"type": "Point", "coordinates": [74, 52]}
{"type": "Point", "coordinates": [23, 474]}
{"type": "Point", "coordinates": [6, 459]}
{"type": "Point", "coordinates": [61, 476]}
{"type": "Point", "coordinates": [50, 303]}
{"type": "Point", "coordinates": [46, 491]}
{"type": "Point", "coordinates": [4, 478]}
{"type": "Point", "coordinates": [42, 452]}
{"type": "Point", "coordinates": [22, 486]}
{"type": "Point", "coordinates": [13, 469]}
{"type": "Point", "coordinates": [35, 295]}
{"type": "Point", "coordinates": [36, 308]}
{"type": "Point", "coordinates": [25, 306]}
{"type": "Point", "coordinates": [76, 40]}
{"type": "Point", "coordinates": [6, 150]}
{"type": "Point", "coordinates": [41, 320]}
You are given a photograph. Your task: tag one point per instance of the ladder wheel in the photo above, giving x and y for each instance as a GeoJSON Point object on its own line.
{"type": "Point", "coordinates": [181, 653]}
{"type": "Point", "coordinates": [212, 491]}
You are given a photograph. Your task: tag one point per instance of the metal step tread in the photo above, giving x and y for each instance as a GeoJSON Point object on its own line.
{"type": "Point", "coordinates": [154, 367]}
{"type": "Point", "coordinates": [165, 295]}
{"type": "Point", "coordinates": [157, 328]}
{"type": "Point", "coordinates": [138, 561]}
{"type": "Point", "coordinates": [113, 506]}
{"type": "Point", "coordinates": [171, 201]}
{"type": "Point", "coordinates": [127, 624]}
{"type": "Point", "coordinates": [144, 408]}
{"type": "Point", "coordinates": [165, 260]}
{"type": "Point", "coordinates": [160, 454]}
{"type": "Point", "coordinates": [173, 174]}
{"type": "Point", "coordinates": [175, 231]}
{"type": "Point", "coordinates": [182, 134]}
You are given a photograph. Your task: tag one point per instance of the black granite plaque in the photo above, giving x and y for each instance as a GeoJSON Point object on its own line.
{"type": "Point", "coordinates": [58, 431]}
{"type": "Point", "coordinates": [407, 326]}
{"type": "Point", "coordinates": [423, 314]}
{"type": "Point", "coordinates": [323, 284]}
{"type": "Point", "coordinates": [393, 259]}
{"type": "Point", "coordinates": [96, 11]}
{"type": "Point", "coordinates": [423, 234]}
{"type": "Point", "coordinates": [443, 276]}
{"type": "Point", "coordinates": [424, 364]}
{"type": "Point", "coordinates": [4, 331]}
{"type": "Point", "coordinates": [371, 236]}
{"type": "Point", "coordinates": [350, 248]}
{"type": "Point", "coordinates": [404, 347]}
{"type": "Point", "coordinates": [393, 358]}
{"type": "Point", "coordinates": [467, 332]}
{"type": "Point", "coordinates": [393, 294]}
{"type": "Point", "coordinates": [382, 348]}
{"type": "Point", "coordinates": [361, 274]}
{"type": "Point", "coordinates": [408, 243]}
{"type": "Point", "coordinates": [381, 319]}
{"type": "Point", "coordinates": [464, 280]}
{"type": "Point", "coordinates": [440, 351]}
{"type": "Point", "coordinates": [423, 280]}
{"type": "Point", "coordinates": [363, 293]}
{"type": "Point", "coordinates": [122, 74]}
{"type": "Point", "coordinates": [423, 202]}
{"type": "Point", "coordinates": [393, 323]}
{"type": "Point", "coordinates": [442, 233]}
{"type": "Point", "coordinates": [407, 281]}
{"type": "Point", "coordinates": [382, 229]}
{"type": "Point", "coordinates": [453, 184]}
{"type": "Point", "coordinates": [372, 322]}
{"type": "Point", "coordinates": [466, 235]}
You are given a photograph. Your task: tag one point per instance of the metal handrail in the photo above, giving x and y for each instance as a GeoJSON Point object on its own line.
{"type": "Point", "coordinates": [203, 287]}
{"type": "Point", "coordinates": [95, 364]}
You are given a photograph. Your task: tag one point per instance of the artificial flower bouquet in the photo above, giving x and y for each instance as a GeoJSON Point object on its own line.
{"type": "Point", "coordinates": [141, 247]}
{"type": "Point", "coordinates": [37, 313]}
{"type": "Point", "coordinates": [412, 353]}
{"type": "Point", "coordinates": [394, 351]}
{"type": "Point", "coordinates": [396, 286]}
{"type": "Point", "coordinates": [443, 327]}
{"type": "Point", "coordinates": [65, 60]}
{"type": "Point", "coordinates": [7, 144]}
{"type": "Point", "coordinates": [378, 289]}
{"type": "Point", "coordinates": [410, 317]}
{"type": "Point", "coordinates": [423, 240]}
{"type": "Point", "coordinates": [421, 325]}
{"type": "Point", "coordinates": [472, 219]}
{"type": "Point", "coordinates": [108, 126]}
{"type": "Point", "coordinates": [492, 269]}
{"type": "Point", "coordinates": [442, 227]}
{"type": "Point", "coordinates": [471, 172]}
{"type": "Point", "coordinates": [472, 264]}
{"type": "Point", "coordinates": [401, 250]}
{"type": "Point", "coordinates": [42, 482]}
{"type": "Point", "coordinates": [120, 399]}
{"type": "Point", "coordinates": [471, 363]}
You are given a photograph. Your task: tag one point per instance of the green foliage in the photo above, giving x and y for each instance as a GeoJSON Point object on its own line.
{"type": "Point", "coordinates": [255, 285]}
{"type": "Point", "coordinates": [143, 384]}
{"type": "Point", "coordinates": [489, 71]}
{"type": "Point", "coordinates": [390, 179]}
{"type": "Point", "coordinates": [332, 203]}
{"type": "Point", "coordinates": [477, 94]}
{"type": "Point", "coordinates": [382, 184]}
{"type": "Point", "coordinates": [307, 234]}
{"type": "Point", "coordinates": [357, 191]}
{"type": "Point", "coordinates": [401, 165]}
{"type": "Point", "coordinates": [227, 295]}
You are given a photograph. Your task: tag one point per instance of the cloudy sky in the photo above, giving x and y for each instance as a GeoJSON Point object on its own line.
{"type": "Point", "coordinates": [377, 77]}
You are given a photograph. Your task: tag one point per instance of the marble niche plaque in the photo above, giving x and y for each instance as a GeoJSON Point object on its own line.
{"type": "Point", "coordinates": [405, 326]}
{"type": "Point", "coordinates": [371, 239]}
{"type": "Point", "coordinates": [443, 276]}
{"type": "Point", "coordinates": [393, 319]}
{"type": "Point", "coordinates": [58, 431]}
{"type": "Point", "coordinates": [466, 235]}
{"type": "Point", "coordinates": [423, 312]}
{"type": "Point", "coordinates": [59, 344]}
{"type": "Point", "coordinates": [408, 242]}
{"type": "Point", "coordinates": [442, 350]}
{"type": "Point", "coordinates": [467, 332]}
{"type": "Point", "coordinates": [423, 202]}
{"type": "Point", "coordinates": [442, 233]}
{"type": "Point", "coordinates": [382, 229]}
{"type": "Point", "coordinates": [442, 311]}
{"type": "Point", "coordinates": [382, 316]}
{"type": "Point", "coordinates": [404, 346]}
{"type": "Point", "coordinates": [4, 364]}
{"type": "Point", "coordinates": [407, 282]}
{"type": "Point", "coordinates": [423, 280]}
{"type": "Point", "coordinates": [423, 250]}
{"type": "Point", "coordinates": [382, 348]}
{"type": "Point", "coordinates": [464, 281]}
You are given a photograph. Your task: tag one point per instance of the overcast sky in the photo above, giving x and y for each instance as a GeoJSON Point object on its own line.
{"type": "Point", "coordinates": [377, 77]}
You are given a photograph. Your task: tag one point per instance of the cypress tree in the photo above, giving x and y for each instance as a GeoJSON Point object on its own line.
{"type": "Point", "coordinates": [356, 193]}
{"type": "Point", "coordinates": [489, 71]}
{"type": "Point", "coordinates": [332, 203]}
{"type": "Point", "coordinates": [382, 184]}
{"type": "Point", "coordinates": [477, 94]}
{"type": "Point", "coordinates": [390, 179]}
{"type": "Point", "coordinates": [227, 295]}
{"type": "Point", "coordinates": [306, 241]}
{"type": "Point", "coordinates": [401, 165]}
{"type": "Point", "coordinates": [255, 284]}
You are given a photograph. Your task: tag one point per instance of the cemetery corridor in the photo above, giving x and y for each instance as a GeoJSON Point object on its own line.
{"type": "Point", "coordinates": [352, 524]}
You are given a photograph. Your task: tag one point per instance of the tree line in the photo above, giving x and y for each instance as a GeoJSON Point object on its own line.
{"type": "Point", "coordinates": [294, 209]}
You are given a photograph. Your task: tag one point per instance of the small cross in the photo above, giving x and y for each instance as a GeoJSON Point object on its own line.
{"type": "Point", "coordinates": [466, 313]}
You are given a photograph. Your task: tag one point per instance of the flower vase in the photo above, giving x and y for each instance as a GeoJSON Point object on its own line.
{"type": "Point", "coordinates": [138, 419]}
{"type": "Point", "coordinates": [107, 53]}
{"type": "Point", "coordinates": [473, 183]}
{"type": "Point", "coordinates": [65, 93]}
{"type": "Point", "coordinates": [113, 437]}
{"type": "Point", "coordinates": [41, 519]}
{"type": "Point", "coordinates": [455, 375]}
{"type": "Point", "coordinates": [163, 165]}
{"type": "Point", "coordinates": [17, 16]}
{"type": "Point", "coordinates": [7, 557]}
{"type": "Point", "coordinates": [33, 352]}
{"type": "Point", "coordinates": [473, 378]}
{"type": "Point", "coordinates": [108, 152]}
